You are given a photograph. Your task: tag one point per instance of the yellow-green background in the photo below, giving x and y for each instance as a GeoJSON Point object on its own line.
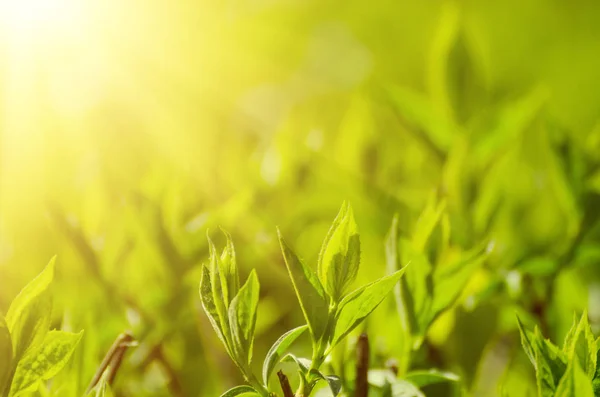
{"type": "Point", "coordinates": [129, 128]}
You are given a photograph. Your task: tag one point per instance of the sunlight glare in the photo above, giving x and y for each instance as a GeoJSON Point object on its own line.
{"type": "Point", "coordinates": [33, 17]}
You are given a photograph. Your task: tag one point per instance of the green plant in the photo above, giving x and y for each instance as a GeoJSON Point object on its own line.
{"type": "Point", "coordinates": [330, 311]}
{"type": "Point", "coordinates": [570, 371]}
{"type": "Point", "coordinates": [29, 351]}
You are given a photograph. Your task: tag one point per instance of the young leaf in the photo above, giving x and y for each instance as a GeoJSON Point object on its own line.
{"type": "Point", "coordinates": [568, 343]}
{"type": "Point", "coordinates": [44, 362]}
{"type": "Point", "coordinates": [545, 379]}
{"type": "Point", "coordinates": [355, 307]}
{"type": "Point", "coordinates": [340, 255]}
{"type": "Point", "coordinates": [219, 290]}
{"type": "Point", "coordinates": [313, 299]}
{"type": "Point", "coordinates": [302, 363]}
{"type": "Point", "coordinates": [582, 346]}
{"type": "Point", "coordinates": [422, 378]}
{"type": "Point", "coordinates": [28, 317]}
{"type": "Point", "coordinates": [278, 348]}
{"type": "Point", "coordinates": [207, 299]}
{"type": "Point", "coordinates": [242, 317]}
{"type": "Point", "coordinates": [574, 383]}
{"type": "Point", "coordinates": [527, 341]}
{"type": "Point", "coordinates": [6, 353]}
{"type": "Point", "coordinates": [238, 390]}
{"type": "Point", "coordinates": [540, 350]}
{"type": "Point", "coordinates": [334, 382]}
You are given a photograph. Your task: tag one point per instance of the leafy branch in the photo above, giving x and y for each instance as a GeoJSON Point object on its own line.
{"type": "Point", "coordinates": [330, 310]}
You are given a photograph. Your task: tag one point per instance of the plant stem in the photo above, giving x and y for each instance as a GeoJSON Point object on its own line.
{"type": "Point", "coordinates": [362, 366]}
{"type": "Point", "coordinates": [112, 360]}
{"type": "Point", "coordinates": [285, 385]}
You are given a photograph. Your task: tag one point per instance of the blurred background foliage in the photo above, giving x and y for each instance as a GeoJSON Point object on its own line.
{"type": "Point", "coordinates": [130, 128]}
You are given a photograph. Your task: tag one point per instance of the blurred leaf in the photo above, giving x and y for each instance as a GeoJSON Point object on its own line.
{"type": "Point", "coordinates": [426, 223]}
{"type": "Point", "coordinates": [28, 317]}
{"type": "Point", "coordinates": [44, 362]}
{"type": "Point", "coordinates": [450, 280]}
{"type": "Point", "coordinates": [340, 255]}
{"type": "Point", "coordinates": [356, 306]}
{"type": "Point", "coordinates": [402, 388]}
{"type": "Point", "coordinates": [416, 290]}
{"type": "Point", "coordinates": [381, 377]}
{"type": "Point", "coordinates": [6, 356]}
{"type": "Point", "coordinates": [434, 129]}
{"type": "Point", "coordinates": [422, 378]}
{"type": "Point", "coordinates": [102, 389]}
{"type": "Point", "coordinates": [313, 299]}
{"type": "Point", "coordinates": [278, 348]}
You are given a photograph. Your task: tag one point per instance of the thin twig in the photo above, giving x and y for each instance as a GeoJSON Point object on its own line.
{"type": "Point", "coordinates": [112, 360]}
{"type": "Point", "coordinates": [285, 385]}
{"type": "Point", "coordinates": [362, 366]}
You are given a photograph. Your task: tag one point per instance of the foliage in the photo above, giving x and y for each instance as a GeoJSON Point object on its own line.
{"type": "Point", "coordinates": [30, 352]}
{"type": "Point", "coordinates": [465, 134]}
{"type": "Point", "coordinates": [570, 371]}
{"type": "Point", "coordinates": [330, 311]}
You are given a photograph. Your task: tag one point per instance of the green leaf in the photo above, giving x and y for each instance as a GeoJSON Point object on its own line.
{"type": "Point", "coordinates": [29, 315]}
{"type": "Point", "coordinates": [582, 346]}
{"type": "Point", "coordinates": [302, 363]}
{"type": "Point", "coordinates": [334, 382]}
{"type": "Point", "coordinates": [44, 362]}
{"type": "Point", "coordinates": [311, 295]}
{"type": "Point", "coordinates": [575, 382]}
{"type": "Point", "coordinates": [546, 382]}
{"type": "Point", "coordinates": [238, 390]}
{"type": "Point", "coordinates": [426, 223]}
{"type": "Point", "coordinates": [219, 290]}
{"type": "Point", "coordinates": [540, 350]}
{"type": "Point", "coordinates": [401, 294]}
{"type": "Point", "coordinates": [277, 350]}
{"type": "Point", "coordinates": [416, 291]}
{"type": "Point", "coordinates": [210, 308]}
{"type": "Point", "coordinates": [242, 317]}
{"type": "Point", "coordinates": [434, 129]}
{"type": "Point", "coordinates": [596, 381]}
{"type": "Point", "coordinates": [570, 337]}
{"type": "Point", "coordinates": [340, 254]}
{"type": "Point", "coordinates": [403, 388]}
{"type": "Point", "coordinates": [229, 269]}
{"type": "Point", "coordinates": [450, 280]}
{"type": "Point", "coordinates": [422, 378]}
{"type": "Point", "coordinates": [6, 356]}
{"type": "Point", "coordinates": [355, 307]}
